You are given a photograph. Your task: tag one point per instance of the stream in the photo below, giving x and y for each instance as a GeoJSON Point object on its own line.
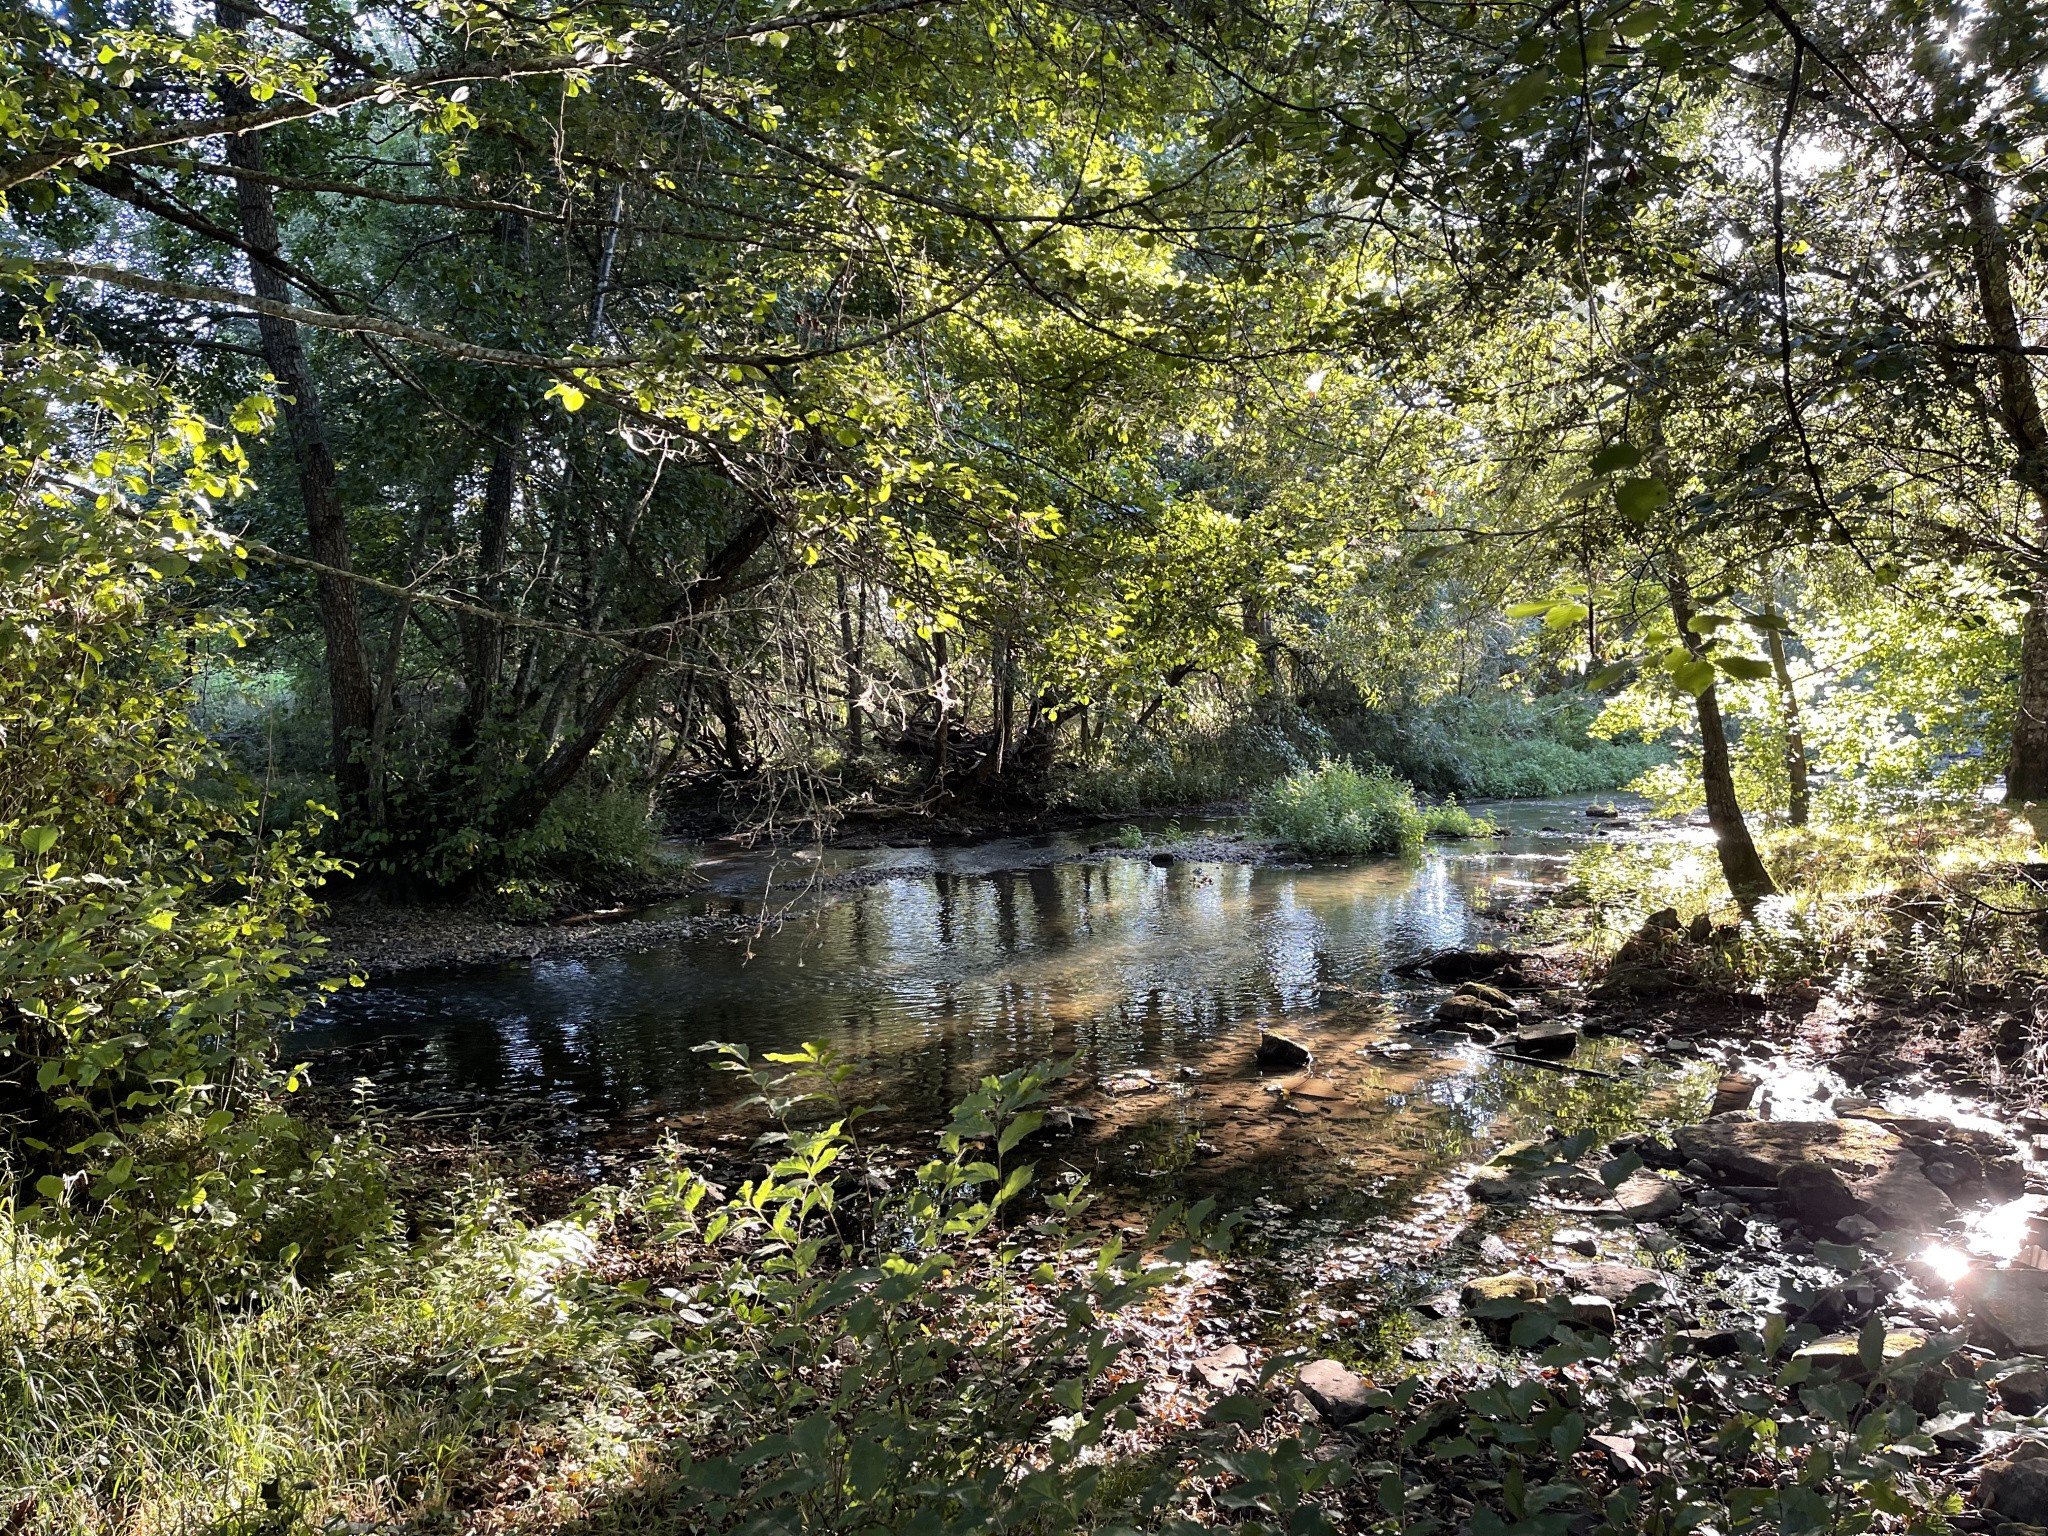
{"type": "Point", "coordinates": [925, 968]}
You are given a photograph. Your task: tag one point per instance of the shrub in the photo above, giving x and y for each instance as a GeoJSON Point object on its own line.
{"type": "Point", "coordinates": [1338, 809]}
{"type": "Point", "coordinates": [1506, 748]}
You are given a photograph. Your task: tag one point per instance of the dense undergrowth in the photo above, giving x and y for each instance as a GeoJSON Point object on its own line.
{"type": "Point", "coordinates": [1336, 809]}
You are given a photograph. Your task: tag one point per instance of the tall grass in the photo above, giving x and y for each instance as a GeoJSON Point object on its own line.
{"type": "Point", "coordinates": [1338, 809]}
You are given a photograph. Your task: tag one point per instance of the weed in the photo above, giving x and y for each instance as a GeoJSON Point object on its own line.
{"type": "Point", "coordinates": [1337, 809]}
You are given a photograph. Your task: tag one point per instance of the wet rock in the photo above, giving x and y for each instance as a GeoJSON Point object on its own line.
{"type": "Point", "coordinates": [1758, 1152]}
{"type": "Point", "coordinates": [1339, 1394]}
{"type": "Point", "coordinates": [1733, 1092]}
{"type": "Point", "coordinates": [1485, 1288]}
{"type": "Point", "coordinates": [1547, 1040]}
{"type": "Point", "coordinates": [2016, 1485]}
{"type": "Point", "coordinates": [1604, 812]}
{"type": "Point", "coordinates": [1653, 1150]}
{"type": "Point", "coordinates": [1856, 1229]}
{"type": "Point", "coordinates": [1131, 1082]}
{"type": "Point", "coordinates": [1577, 1240]}
{"type": "Point", "coordinates": [1067, 1120]}
{"type": "Point", "coordinates": [1497, 1250]}
{"type": "Point", "coordinates": [1645, 1197]}
{"type": "Point", "coordinates": [1470, 965]}
{"type": "Point", "coordinates": [2025, 1391]}
{"type": "Point", "coordinates": [1499, 1189]}
{"type": "Point", "coordinates": [1817, 1196]}
{"type": "Point", "coordinates": [1903, 1199]}
{"type": "Point", "coordinates": [2008, 1308]}
{"type": "Point", "coordinates": [1277, 1053]}
{"type": "Point", "coordinates": [1493, 996]}
{"type": "Point", "coordinates": [1474, 1014]}
{"type": "Point", "coordinates": [1163, 860]}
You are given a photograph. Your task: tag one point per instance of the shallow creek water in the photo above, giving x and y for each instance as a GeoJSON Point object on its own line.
{"type": "Point", "coordinates": [926, 968]}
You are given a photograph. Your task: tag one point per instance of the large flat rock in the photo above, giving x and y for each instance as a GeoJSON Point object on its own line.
{"type": "Point", "coordinates": [1884, 1174]}
{"type": "Point", "coordinates": [1758, 1151]}
{"type": "Point", "coordinates": [2009, 1306]}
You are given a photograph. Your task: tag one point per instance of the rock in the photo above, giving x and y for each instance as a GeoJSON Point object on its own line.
{"type": "Point", "coordinates": [1130, 1082]}
{"type": "Point", "coordinates": [1603, 812]}
{"type": "Point", "coordinates": [1903, 1199]}
{"type": "Point", "coordinates": [1856, 1229]}
{"type": "Point", "coordinates": [1067, 1120]}
{"type": "Point", "coordinates": [1277, 1053]}
{"type": "Point", "coordinates": [1497, 1250]}
{"type": "Point", "coordinates": [1712, 1343]}
{"type": "Point", "coordinates": [1845, 1349]}
{"type": "Point", "coordinates": [1225, 1370]}
{"type": "Point", "coordinates": [2008, 1307]}
{"type": "Point", "coordinates": [2016, 1486]}
{"type": "Point", "coordinates": [1498, 1189]}
{"type": "Point", "coordinates": [1816, 1194]}
{"type": "Point", "coordinates": [1516, 1287]}
{"type": "Point", "coordinates": [1757, 1152]}
{"type": "Point", "coordinates": [1577, 1239]}
{"type": "Point", "coordinates": [1733, 1092]}
{"type": "Point", "coordinates": [1545, 1040]}
{"type": "Point", "coordinates": [1618, 1282]}
{"type": "Point", "coordinates": [1469, 965]}
{"type": "Point", "coordinates": [1594, 1312]}
{"type": "Point", "coordinates": [1645, 1197]}
{"type": "Point", "coordinates": [1700, 930]}
{"type": "Point", "coordinates": [1474, 1013]}
{"type": "Point", "coordinates": [2025, 1391]}
{"type": "Point", "coordinates": [1163, 860]}
{"type": "Point", "coordinates": [1339, 1394]}
{"type": "Point", "coordinates": [1485, 994]}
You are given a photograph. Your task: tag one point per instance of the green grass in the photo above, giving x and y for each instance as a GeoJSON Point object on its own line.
{"type": "Point", "coordinates": [1338, 809]}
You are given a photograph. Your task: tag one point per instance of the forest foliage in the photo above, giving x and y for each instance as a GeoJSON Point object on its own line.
{"type": "Point", "coordinates": [437, 443]}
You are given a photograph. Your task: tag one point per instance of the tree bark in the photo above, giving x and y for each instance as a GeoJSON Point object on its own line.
{"type": "Point", "coordinates": [1741, 865]}
{"type": "Point", "coordinates": [850, 648]}
{"type": "Point", "coordinates": [2020, 415]}
{"type": "Point", "coordinates": [352, 698]}
{"type": "Point", "coordinates": [1798, 796]}
{"type": "Point", "coordinates": [645, 653]}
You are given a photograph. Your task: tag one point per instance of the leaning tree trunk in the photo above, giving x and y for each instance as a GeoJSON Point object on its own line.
{"type": "Point", "coordinates": [2020, 415]}
{"type": "Point", "coordinates": [352, 697]}
{"type": "Point", "coordinates": [1741, 865]}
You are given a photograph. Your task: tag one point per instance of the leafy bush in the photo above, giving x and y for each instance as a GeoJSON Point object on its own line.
{"type": "Point", "coordinates": [1450, 819]}
{"type": "Point", "coordinates": [150, 925]}
{"type": "Point", "coordinates": [1496, 748]}
{"type": "Point", "coordinates": [1337, 809]}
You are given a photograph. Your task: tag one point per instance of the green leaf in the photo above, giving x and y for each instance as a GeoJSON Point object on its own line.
{"type": "Point", "coordinates": [1535, 610]}
{"type": "Point", "coordinates": [1749, 669]}
{"type": "Point", "coordinates": [50, 1187]}
{"type": "Point", "coordinates": [1640, 500]}
{"type": "Point", "coordinates": [1018, 1129]}
{"type": "Point", "coordinates": [1564, 615]}
{"type": "Point", "coordinates": [1606, 677]}
{"type": "Point", "coordinates": [1705, 623]}
{"type": "Point", "coordinates": [38, 840]}
{"type": "Point", "coordinates": [1695, 677]}
{"type": "Point", "coordinates": [1615, 456]}
{"type": "Point", "coordinates": [1524, 93]}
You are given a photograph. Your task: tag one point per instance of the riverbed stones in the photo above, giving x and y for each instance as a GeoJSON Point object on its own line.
{"type": "Point", "coordinates": [2016, 1485]}
{"type": "Point", "coordinates": [1817, 1196]}
{"type": "Point", "coordinates": [1621, 1284]}
{"type": "Point", "coordinates": [1845, 1350]}
{"type": "Point", "coordinates": [1645, 1197]}
{"type": "Point", "coordinates": [1140, 1081]}
{"type": "Point", "coordinates": [1339, 1394]}
{"type": "Point", "coordinates": [2008, 1308]}
{"type": "Point", "coordinates": [1228, 1369]}
{"type": "Point", "coordinates": [1590, 1312]}
{"type": "Point", "coordinates": [1475, 1016]}
{"type": "Point", "coordinates": [2025, 1391]}
{"type": "Point", "coordinates": [1492, 996]}
{"type": "Point", "coordinates": [1758, 1152]}
{"type": "Point", "coordinates": [1496, 965]}
{"type": "Point", "coordinates": [1277, 1053]}
{"type": "Point", "coordinates": [1547, 1040]}
{"type": "Point", "coordinates": [1732, 1093]}
{"type": "Point", "coordinates": [1482, 1289]}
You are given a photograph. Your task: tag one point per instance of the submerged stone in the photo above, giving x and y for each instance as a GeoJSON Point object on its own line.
{"type": "Point", "coordinates": [1278, 1053]}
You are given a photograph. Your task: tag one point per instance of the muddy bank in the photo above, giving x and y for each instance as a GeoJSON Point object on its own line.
{"type": "Point", "coordinates": [377, 942]}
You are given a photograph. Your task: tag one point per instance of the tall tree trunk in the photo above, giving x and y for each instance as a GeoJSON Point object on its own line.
{"type": "Point", "coordinates": [2019, 413]}
{"type": "Point", "coordinates": [1741, 865]}
{"type": "Point", "coordinates": [850, 648]}
{"type": "Point", "coordinates": [942, 677]}
{"type": "Point", "coordinates": [1798, 797]}
{"type": "Point", "coordinates": [351, 695]}
{"type": "Point", "coordinates": [485, 638]}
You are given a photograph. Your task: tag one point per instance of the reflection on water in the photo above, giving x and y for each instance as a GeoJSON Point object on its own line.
{"type": "Point", "coordinates": [950, 964]}
{"type": "Point", "coordinates": [929, 979]}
